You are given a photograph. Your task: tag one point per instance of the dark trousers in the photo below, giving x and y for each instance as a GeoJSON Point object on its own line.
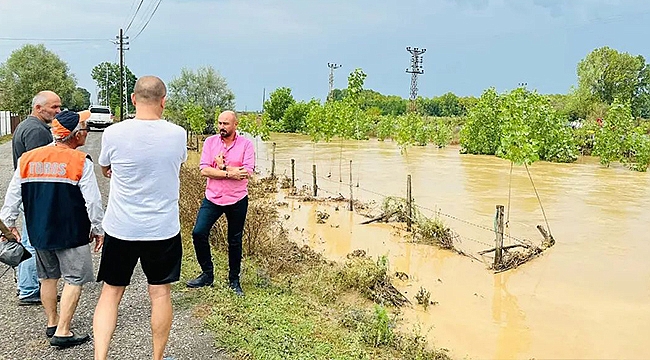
{"type": "Point", "coordinates": [208, 214]}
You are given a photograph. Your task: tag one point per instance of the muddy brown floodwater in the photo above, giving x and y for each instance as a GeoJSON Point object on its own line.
{"type": "Point", "coordinates": [587, 297]}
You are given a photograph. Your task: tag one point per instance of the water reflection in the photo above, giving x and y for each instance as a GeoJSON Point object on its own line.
{"type": "Point", "coordinates": [514, 335]}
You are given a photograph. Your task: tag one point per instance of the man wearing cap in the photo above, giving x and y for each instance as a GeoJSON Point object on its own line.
{"type": "Point", "coordinates": [63, 210]}
{"type": "Point", "coordinates": [31, 133]}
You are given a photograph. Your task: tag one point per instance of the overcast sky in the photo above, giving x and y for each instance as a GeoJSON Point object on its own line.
{"type": "Point", "coordinates": [257, 44]}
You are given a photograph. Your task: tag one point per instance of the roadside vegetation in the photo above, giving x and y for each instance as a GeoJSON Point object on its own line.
{"type": "Point", "coordinates": [298, 304]}
{"type": "Point", "coordinates": [5, 138]}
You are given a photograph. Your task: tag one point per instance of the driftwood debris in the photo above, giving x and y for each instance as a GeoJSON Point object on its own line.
{"type": "Point", "coordinates": [505, 248]}
{"type": "Point", "coordinates": [382, 217]}
{"type": "Point", "coordinates": [548, 238]}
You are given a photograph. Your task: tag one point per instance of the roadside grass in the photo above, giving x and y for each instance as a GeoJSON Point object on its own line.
{"type": "Point", "coordinates": [5, 138]}
{"type": "Point", "coordinates": [297, 304]}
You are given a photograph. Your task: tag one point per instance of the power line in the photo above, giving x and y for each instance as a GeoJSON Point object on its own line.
{"type": "Point", "coordinates": [129, 12]}
{"type": "Point", "coordinates": [126, 19]}
{"type": "Point", "coordinates": [52, 40]}
{"type": "Point", "coordinates": [147, 23]}
{"type": "Point", "coordinates": [134, 15]}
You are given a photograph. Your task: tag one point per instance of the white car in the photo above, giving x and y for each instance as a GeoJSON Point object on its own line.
{"type": "Point", "coordinates": [100, 116]}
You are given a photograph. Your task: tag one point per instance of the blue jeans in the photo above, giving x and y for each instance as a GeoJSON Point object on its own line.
{"type": "Point", "coordinates": [208, 214]}
{"type": "Point", "coordinates": [28, 284]}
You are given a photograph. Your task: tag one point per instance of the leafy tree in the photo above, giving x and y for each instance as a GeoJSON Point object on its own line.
{"type": "Point", "coordinates": [355, 85]}
{"type": "Point", "coordinates": [204, 87]}
{"type": "Point", "coordinates": [80, 100]}
{"type": "Point", "coordinates": [195, 116]}
{"type": "Point", "coordinates": [639, 150]}
{"type": "Point", "coordinates": [276, 105]}
{"type": "Point", "coordinates": [606, 74]}
{"type": "Point", "coordinates": [411, 129]}
{"type": "Point", "coordinates": [338, 94]}
{"type": "Point", "coordinates": [611, 138]}
{"type": "Point", "coordinates": [255, 125]}
{"type": "Point", "coordinates": [385, 127]}
{"type": "Point", "coordinates": [482, 131]}
{"type": "Point", "coordinates": [321, 126]}
{"type": "Point", "coordinates": [107, 77]}
{"type": "Point", "coordinates": [518, 141]}
{"type": "Point", "coordinates": [295, 116]}
{"type": "Point", "coordinates": [467, 103]}
{"type": "Point", "coordinates": [450, 105]}
{"type": "Point", "coordinates": [429, 106]}
{"type": "Point", "coordinates": [387, 104]}
{"type": "Point", "coordinates": [441, 132]}
{"type": "Point", "coordinates": [29, 70]}
{"type": "Point", "coordinates": [354, 123]}
{"type": "Point", "coordinates": [540, 132]}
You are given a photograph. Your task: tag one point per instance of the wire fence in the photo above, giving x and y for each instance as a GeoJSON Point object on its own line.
{"type": "Point", "coordinates": [283, 168]}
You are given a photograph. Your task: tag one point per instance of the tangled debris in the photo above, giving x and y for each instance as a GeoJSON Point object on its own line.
{"type": "Point", "coordinates": [321, 217]}
{"type": "Point", "coordinates": [371, 279]}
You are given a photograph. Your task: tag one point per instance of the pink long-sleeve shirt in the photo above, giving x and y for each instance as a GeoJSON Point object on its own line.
{"type": "Point", "coordinates": [240, 153]}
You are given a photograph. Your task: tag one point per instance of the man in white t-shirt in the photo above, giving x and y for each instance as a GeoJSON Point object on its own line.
{"type": "Point", "coordinates": [142, 157]}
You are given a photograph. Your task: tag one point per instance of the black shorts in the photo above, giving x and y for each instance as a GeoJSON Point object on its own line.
{"type": "Point", "coordinates": [160, 260]}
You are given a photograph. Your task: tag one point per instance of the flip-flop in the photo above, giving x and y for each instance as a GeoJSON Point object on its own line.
{"type": "Point", "coordinates": [68, 341]}
{"type": "Point", "coordinates": [50, 330]}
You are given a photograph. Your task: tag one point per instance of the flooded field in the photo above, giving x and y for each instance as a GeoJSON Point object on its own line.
{"type": "Point", "coordinates": [587, 297]}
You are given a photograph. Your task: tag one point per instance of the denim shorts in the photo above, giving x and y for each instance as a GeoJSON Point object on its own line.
{"type": "Point", "coordinates": [74, 265]}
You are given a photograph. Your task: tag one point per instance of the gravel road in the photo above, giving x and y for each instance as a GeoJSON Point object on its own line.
{"type": "Point", "coordinates": [22, 328]}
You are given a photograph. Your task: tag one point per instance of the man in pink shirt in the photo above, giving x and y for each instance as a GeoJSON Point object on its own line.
{"type": "Point", "coordinates": [227, 161]}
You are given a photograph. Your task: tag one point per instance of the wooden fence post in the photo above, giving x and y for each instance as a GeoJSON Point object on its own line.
{"type": "Point", "coordinates": [313, 173]}
{"type": "Point", "coordinates": [409, 205]}
{"type": "Point", "coordinates": [351, 207]}
{"type": "Point", "coordinates": [498, 251]}
{"type": "Point", "coordinates": [293, 174]}
{"type": "Point", "coordinates": [273, 163]}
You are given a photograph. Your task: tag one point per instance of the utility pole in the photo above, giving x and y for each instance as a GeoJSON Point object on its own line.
{"type": "Point", "coordinates": [106, 86]}
{"type": "Point", "coordinates": [122, 43]}
{"type": "Point", "coordinates": [263, 98]}
{"type": "Point", "coordinates": [415, 70]}
{"type": "Point", "coordinates": [332, 67]}
{"type": "Point", "coordinates": [126, 92]}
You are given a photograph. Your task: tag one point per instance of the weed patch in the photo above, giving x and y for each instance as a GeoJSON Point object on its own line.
{"type": "Point", "coordinates": [294, 306]}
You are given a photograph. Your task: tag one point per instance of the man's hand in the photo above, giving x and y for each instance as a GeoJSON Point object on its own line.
{"type": "Point", "coordinates": [106, 171]}
{"type": "Point", "coordinates": [219, 161]}
{"type": "Point", "coordinates": [14, 231]}
{"type": "Point", "coordinates": [99, 241]}
{"type": "Point", "coordinates": [237, 173]}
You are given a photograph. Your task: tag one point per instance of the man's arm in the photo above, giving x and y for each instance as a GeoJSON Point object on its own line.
{"type": "Point", "coordinates": [106, 171]}
{"type": "Point", "coordinates": [213, 173]}
{"type": "Point", "coordinates": [93, 199]}
{"type": "Point", "coordinates": [105, 157]}
{"type": "Point", "coordinates": [13, 198]}
{"type": "Point", "coordinates": [207, 161]}
{"type": "Point", "coordinates": [249, 158]}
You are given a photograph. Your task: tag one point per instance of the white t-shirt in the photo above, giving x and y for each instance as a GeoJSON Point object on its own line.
{"type": "Point", "coordinates": [145, 158]}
